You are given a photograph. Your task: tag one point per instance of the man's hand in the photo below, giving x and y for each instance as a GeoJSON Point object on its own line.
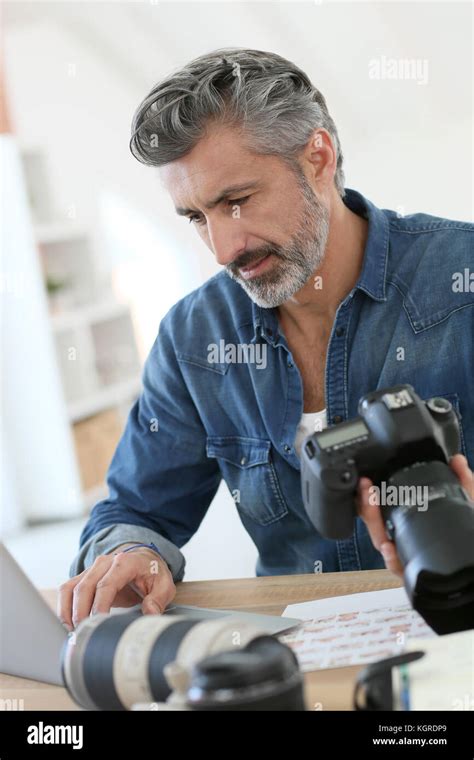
{"type": "Point", "coordinates": [372, 515]}
{"type": "Point", "coordinates": [106, 584]}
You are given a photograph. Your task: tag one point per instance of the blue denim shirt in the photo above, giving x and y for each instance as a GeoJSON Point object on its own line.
{"type": "Point", "coordinates": [201, 417]}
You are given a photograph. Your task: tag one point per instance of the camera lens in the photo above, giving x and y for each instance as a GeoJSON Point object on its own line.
{"type": "Point", "coordinates": [434, 536]}
{"type": "Point", "coordinates": [112, 662]}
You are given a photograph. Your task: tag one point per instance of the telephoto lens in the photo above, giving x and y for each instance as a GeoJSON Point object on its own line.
{"type": "Point", "coordinates": [434, 544]}
{"type": "Point", "coordinates": [264, 675]}
{"type": "Point", "coordinates": [112, 662]}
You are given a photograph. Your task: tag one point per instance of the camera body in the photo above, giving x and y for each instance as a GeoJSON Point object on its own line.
{"type": "Point", "coordinates": [395, 429]}
{"type": "Point", "coordinates": [403, 445]}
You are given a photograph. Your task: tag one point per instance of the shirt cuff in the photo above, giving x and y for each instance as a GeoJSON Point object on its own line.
{"type": "Point", "coordinates": [108, 539]}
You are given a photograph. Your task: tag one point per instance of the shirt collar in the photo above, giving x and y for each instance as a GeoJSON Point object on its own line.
{"type": "Point", "coordinates": [374, 267]}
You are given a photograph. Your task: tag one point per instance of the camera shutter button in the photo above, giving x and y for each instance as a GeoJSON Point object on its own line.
{"type": "Point", "coordinates": [439, 405]}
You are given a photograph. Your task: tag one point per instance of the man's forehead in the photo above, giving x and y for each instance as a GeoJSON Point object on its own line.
{"type": "Point", "coordinates": [182, 177]}
{"type": "Point", "coordinates": [221, 158]}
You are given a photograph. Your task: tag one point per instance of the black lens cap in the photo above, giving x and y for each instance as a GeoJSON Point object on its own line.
{"type": "Point", "coordinates": [263, 659]}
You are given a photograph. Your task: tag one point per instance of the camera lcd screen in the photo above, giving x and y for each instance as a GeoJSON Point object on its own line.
{"type": "Point", "coordinates": [342, 435]}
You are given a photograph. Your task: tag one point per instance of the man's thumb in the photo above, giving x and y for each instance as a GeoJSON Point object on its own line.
{"type": "Point", "coordinates": [151, 606]}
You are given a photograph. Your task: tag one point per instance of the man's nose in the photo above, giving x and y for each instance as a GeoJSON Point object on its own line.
{"type": "Point", "coordinates": [227, 239]}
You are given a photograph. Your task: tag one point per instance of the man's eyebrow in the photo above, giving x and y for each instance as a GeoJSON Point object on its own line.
{"type": "Point", "coordinates": [221, 197]}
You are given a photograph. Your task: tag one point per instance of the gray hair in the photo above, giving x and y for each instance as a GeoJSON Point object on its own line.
{"type": "Point", "coordinates": [270, 99]}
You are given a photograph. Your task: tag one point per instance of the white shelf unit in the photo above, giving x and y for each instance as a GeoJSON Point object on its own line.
{"type": "Point", "coordinates": [57, 231]}
{"type": "Point", "coordinates": [97, 356]}
{"type": "Point", "coordinates": [93, 334]}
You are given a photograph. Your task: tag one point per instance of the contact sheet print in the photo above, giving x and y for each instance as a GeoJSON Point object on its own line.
{"type": "Point", "coordinates": [353, 630]}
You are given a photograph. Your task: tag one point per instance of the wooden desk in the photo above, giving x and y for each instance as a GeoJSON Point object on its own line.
{"type": "Point", "coordinates": [325, 689]}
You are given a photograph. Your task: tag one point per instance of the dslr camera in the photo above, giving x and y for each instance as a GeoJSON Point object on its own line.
{"type": "Point", "coordinates": [403, 445]}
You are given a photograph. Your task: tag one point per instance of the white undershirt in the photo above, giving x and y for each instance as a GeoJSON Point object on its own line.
{"type": "Point", "coordinates": [310, 422]}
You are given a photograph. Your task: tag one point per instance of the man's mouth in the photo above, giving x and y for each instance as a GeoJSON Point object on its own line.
{"type": "Point", "coordinates": [256, 268]}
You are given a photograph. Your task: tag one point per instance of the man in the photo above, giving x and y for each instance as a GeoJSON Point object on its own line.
{"type": "Point", "coordinates": [323, 298]}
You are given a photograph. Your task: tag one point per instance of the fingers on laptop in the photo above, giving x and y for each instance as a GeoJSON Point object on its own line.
{"type": "Point", "coordinates": [97, 588]}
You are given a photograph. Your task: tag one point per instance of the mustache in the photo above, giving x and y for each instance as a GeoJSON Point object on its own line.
{"type": "Point", "coordinates": [252, 257]}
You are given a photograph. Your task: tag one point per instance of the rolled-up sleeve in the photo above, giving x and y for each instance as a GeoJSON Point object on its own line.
{"type": "Point", "coordinates": [160, 480]}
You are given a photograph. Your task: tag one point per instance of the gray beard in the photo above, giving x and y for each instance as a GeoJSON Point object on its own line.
{"type": "Point", "coordinates": [296, 262]}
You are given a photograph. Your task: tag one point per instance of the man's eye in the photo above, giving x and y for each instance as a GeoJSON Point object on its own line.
{"type": "Point", "coordinates": [239, 201]}
{"type": "Point", "coordinates": [197, 219]}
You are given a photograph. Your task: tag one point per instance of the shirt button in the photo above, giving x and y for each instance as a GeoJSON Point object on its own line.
{"type": "Point", "coordinates": [243, 460]}
{"type": "Point", "coordinates": [287, 448]}
{"type": "Point", "coordinates": [290, 365]}
{"type": "Point", "coordinates": [339, 332]}
{"type": "Point", "coordinates": [337, 418]}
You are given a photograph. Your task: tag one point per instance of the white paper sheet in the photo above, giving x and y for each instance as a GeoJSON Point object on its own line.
{"type": "Point", "coordinates": [449, 660]}
{"type": "Point", "coordinates": [354, 629]}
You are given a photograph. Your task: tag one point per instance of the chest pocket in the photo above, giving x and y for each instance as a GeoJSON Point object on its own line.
{"type": "Point", "coordinates": [248, 470]}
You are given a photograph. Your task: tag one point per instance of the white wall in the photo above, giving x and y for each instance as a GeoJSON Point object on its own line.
{"type": "Point", "coordinates": [77, 71]}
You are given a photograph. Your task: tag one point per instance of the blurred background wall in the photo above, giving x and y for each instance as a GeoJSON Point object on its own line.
{"type": "Point", "coordinates": [94, 255]}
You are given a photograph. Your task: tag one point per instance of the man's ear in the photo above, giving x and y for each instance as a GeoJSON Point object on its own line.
{"type": "Point", "coordinates": [320, 158]}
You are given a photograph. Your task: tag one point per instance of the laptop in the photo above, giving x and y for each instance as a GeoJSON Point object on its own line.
{"type": "Point", "coordinates": [32, 636]}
